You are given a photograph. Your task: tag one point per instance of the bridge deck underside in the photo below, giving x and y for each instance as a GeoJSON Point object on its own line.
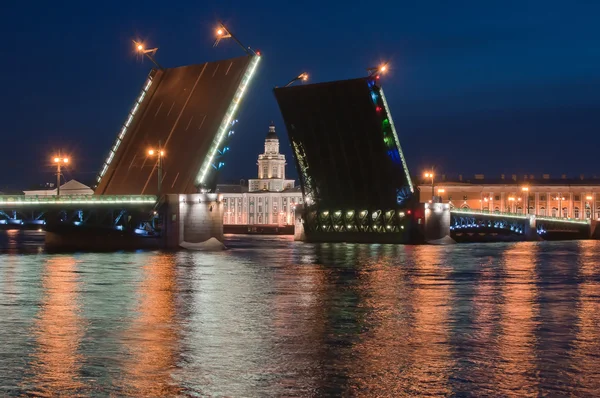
{"type": "Point", "coordinates": [183, 110]}
{"type": "Point", "coordinates": [336, 133]}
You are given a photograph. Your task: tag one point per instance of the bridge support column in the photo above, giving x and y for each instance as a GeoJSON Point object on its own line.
{"type": "Point", "coordinates": [194, 221]}
{"type": "Point", "coordinates": [594, 231]}
{"type": "Point", "coordinates": [299, 234]}
{"type": "Point", "coordinates": [531, 229]}
{"type": "Point", "coordinates": [437, 223]}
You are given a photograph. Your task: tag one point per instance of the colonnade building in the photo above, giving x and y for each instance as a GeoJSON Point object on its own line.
{"type": "Point", "coordinates": [270, 199]}
{"type": "Point", "coordinates": [577, 198]}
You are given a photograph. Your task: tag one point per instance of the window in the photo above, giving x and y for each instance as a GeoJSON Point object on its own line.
{"type": "Point", "coordinates": [531, 210]}
{"type": "Point", "coordinates": [554, 212]}
{"type": "Point", "coordinates": [542, 197]}
{"type": "Point", "coordinates": [496, 209]}
{"type": "Point", "coordinates": [275, 173]}
{"type": "Point", "coordinates": [542, 211]}
{"type": "Point", "coordinates": [576, 197]}
{"type": "Point", "coordinates": [497, 197]}
{"type": "Point", "coordinates": [565, 212]}
{"type": "Point", "coordinates": [265, 172]}
{"type": "Point", "coordinates": [576, 212]}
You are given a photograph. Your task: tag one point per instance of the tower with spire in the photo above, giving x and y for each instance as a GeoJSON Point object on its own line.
{"type": "Point", "coordinates": [271, 167]}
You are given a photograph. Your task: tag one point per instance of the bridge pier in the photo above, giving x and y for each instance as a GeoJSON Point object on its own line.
{"type": "Point", "coordinates": [530, 230]}
{"type": "Point", "coordinates": [437, 223]}
{"type": "Point", "coordinates": [190, 220]}
{"type": "Point", "coordinates": [299, 234]}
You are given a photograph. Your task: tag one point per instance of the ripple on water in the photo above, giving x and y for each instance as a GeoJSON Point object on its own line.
{"type": "Point", "coordinates": [271, 317]}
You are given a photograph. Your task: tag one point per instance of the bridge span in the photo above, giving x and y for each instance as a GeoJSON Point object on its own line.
{"type": "Point", "coordinates": [473, 225]}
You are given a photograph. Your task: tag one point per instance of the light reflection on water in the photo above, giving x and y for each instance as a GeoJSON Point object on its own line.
{"type": "Point", "coordinates": [271, 317]}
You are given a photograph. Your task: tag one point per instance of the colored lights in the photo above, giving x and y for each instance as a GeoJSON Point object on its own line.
{"type": "Point", "coordinates": [226, 122]}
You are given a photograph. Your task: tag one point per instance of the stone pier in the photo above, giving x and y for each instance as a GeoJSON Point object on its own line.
{"type": "Point", "coordinates": [192, 219]}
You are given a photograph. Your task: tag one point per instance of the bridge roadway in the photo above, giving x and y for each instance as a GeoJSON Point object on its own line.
{"type": "Point", "coordinates": [188, 112]}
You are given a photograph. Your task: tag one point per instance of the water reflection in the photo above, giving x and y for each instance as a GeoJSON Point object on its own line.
{"type": "Point", "coordinates": [275, 318]}
{"type": "Point", "coordinates": [151, 342]}
{"type": "Point", "coordinates": [587, 344]}
{"type": "Point", "coordinates": [515, 372]}
{"type": "Point", "coordinates": [404, 347]}
{"type": "Point", "coordinates": [56, 362]}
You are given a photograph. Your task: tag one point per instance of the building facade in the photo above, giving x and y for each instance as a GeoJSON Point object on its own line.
{"type": "Point", "coordinates": [570, 198]}
{"type": "Point", "coordinates": [270, 199]}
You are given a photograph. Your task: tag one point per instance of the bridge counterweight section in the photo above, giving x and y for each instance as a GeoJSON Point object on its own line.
{"type": "Point", "coordinates": [184, 113]}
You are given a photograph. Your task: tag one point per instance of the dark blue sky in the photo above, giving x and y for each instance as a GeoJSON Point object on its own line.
{"type": "Point", "coordinates": [475, 86]}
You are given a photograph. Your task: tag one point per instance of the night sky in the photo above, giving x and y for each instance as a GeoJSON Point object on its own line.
{"type": "Point", "coordinates": [475, 87]}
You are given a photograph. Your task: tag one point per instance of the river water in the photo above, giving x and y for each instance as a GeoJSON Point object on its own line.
{"type": "Point", "coordinates": [272, 317]}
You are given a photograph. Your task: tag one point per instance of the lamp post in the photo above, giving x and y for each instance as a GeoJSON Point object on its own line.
{"type": "Point", "coordinates": [430, 174]}
{"type": "Point", "coordinates": [560, 198]}
{"type": "Point", "coordinates": [440, 191]}
{"type": "Point", "coordinates": [160, 154]}
{"type": "Point", "coordinates": [377, 70]}
{"type": "Point", "coordinates": [482, 200]}
{"type": "Point", "coordinates": [526, 192]}
{"type": "Point", "coordinates": [59, 160]}
{"type": "Point", "coordinates": [588, 204]}
{"type": "Point", "coordinates": [302, 76]}
{"type": "Point", "coordinates": [223, 33]}
{"type": "Point", "coordinates": [148, 52]}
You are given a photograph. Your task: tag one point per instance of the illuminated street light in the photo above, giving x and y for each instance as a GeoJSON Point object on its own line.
{"type": "Point", "coordinates": [430, 174]}
{"type": "Point", "coordinates": [223, 33]}
{"type": "Point", "coordinates": [377, 70]}
{"type": "Point", "coordinates": [59, 160]}
{"type": "Point", "coordinates": [560, 198]}
{"type": "Point", "coordinates": [302, 76]}
{"type": "Point", "coordinates": [526, 192]}
{"type": "Point", "coordinates": [588, 205]}
{"type": "Point", "coordinates": [160, 153]}
{"type": "Point", "coordinates": [150, 52]}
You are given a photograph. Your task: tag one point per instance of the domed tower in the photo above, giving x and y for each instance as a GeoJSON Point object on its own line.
{"type": "Point", "coordinates": [271, 166]}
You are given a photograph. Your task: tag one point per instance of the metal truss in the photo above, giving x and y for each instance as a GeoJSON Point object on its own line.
{"type": "Point", "coordinates": [473, 223]}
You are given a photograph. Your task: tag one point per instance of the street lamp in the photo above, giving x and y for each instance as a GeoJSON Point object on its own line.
{"type": "Point", "coordinates": [377, 70]}
{"type": "Point", "coordinates": [430, 174]}
{"type": "Point", "coordinates": [160, 154]}
{"type": "Point", "coordinates": [560, 198]}
{"type": "Point", "coordinates": [59, 160]}
{"type": "Point", "coordinates": [302, 76]}
{"type": "Point", "coordinates": [484, 199]}
{"type": "Point", "coordinates": [588, 198]}
{"type": "Point", "coordinates": [223, 33]}
{"type": "Point", "coordinates": [148, 52]}
{"type": "Point", "coordinates": [512, 201]}
{"type": "Point", "coordinates": [526, 192]}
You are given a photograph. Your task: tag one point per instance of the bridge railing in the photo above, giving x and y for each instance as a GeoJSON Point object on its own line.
{"type": "Point", "coordinates": [518, 215]}
{"type": "Point", "coordinates": [487, 213]}
{"type": "Point", "coordinates": [15, 200]}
